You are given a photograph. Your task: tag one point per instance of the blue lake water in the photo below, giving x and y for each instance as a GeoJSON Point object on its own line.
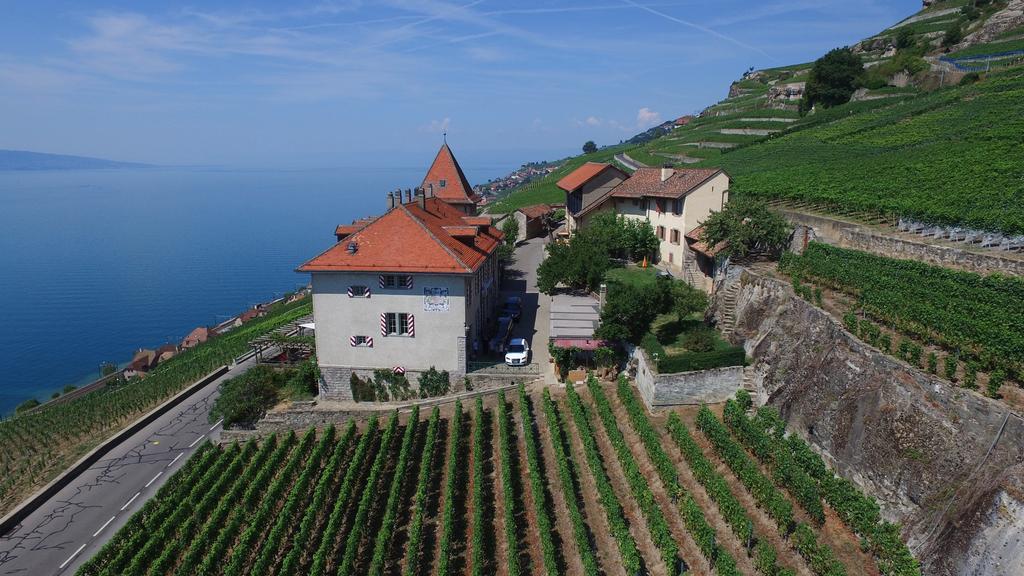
{"type": "Point", "coordinates": [95, 264]}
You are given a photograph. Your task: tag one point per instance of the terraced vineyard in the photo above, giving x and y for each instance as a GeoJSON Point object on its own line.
{"type": "Point", "coordinates": [576, 481]}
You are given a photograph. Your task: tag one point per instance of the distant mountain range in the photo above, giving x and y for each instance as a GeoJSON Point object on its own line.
{"type": "Point", "coordinates": [22, 160]}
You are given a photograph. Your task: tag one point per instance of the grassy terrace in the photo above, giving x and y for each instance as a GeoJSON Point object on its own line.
{"type": "Point", "coordinates": [991, 48]}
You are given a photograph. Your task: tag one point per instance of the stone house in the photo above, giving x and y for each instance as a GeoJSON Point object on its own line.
{"type": "Point", "coordinates": [412, 289]}
{"type": "Point", "coordinates": [586, 185]}
{"type": "Point", "coordinates": [532, 220]}
{"type": "Point", "coordinates": [196, 337]}
{"type": "Point", "coordinates": [676, 202]}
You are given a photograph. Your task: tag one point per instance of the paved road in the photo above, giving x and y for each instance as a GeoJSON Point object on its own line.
{"type": "Point", "coordinates": [78, 520]}
{"type": "Point", "coordinates": [521, 280]}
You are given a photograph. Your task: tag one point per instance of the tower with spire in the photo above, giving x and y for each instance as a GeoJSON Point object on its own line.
{"type": "Point", "coordinates": [446, 181]}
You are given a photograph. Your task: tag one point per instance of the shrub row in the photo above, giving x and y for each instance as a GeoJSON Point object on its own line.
{"type": "Point", "coordinates": [387, 526]}
{"type": "Point", "coordinates": [656, 523]}
{"type": "Point", "coordinates": [690, 361]}
{"type": "Point", "coordinates": [328, 477]}
{"type": "Point", "coordinates": [785, 470]}
{"type": "Point", "coordinates": [697, 525]}
{"type": "Point", "coordinates": [215, 555]}
{"type": "Point", "coordinates": [412, 549]}
{"type": "Point", "coordinates": [819, 557]}
{"type": "Point", "coordinates": [857, 510]}
{"type": "Point", "coordinates": [247, 542]}
{"type": "Point", "coordinates": [296, 501]}
{"type": "Point", "coordinates": [325, 550]}
{"type": "Point", "coordinates": [566, 475]}
{"type": "Point", "coordinates": [735, 514]}
{"type": "Point", "coordinates": [631, 560]}
{"type": "Point", "coordinates": [477, 545]}
{"type": "Point", "coordinates": [448, 518]}
{"type": "Point", "coordinates": [370, 491]}
{"type": "Point", "coordinates": [545, 527]}
{"type": "Point", "coordinates": [509, 509]}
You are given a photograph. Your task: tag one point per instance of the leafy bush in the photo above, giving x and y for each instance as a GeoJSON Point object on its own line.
{"type": "Point", "coordinates": [630, 309]}
{"type": "Point", "coordinates": [434, 383]}
{"type": "Point", "coordinates": [995, 382]}
{"type": "Point", "coordinates": [246, 398]}
{"type": "Point", "coordinates": [702, 339]}
{"type": "Point", "coordinates": [969, 78]}
{"type": "Point", "coordinates": [746, 225]}
{"type": "Point", "coordinates": [833, 79]}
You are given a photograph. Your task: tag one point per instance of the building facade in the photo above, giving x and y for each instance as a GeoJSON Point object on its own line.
{"type": "Point", "coordinates": [585, 188]}
{"type": "Point", "coordinates": [412, 289]}
{"type": "Point", "coordinates": [675, 202]}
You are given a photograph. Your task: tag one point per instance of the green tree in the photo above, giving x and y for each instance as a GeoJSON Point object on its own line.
{"type": "Point", "coordinates": [833, 79]}
{"type": "Point", "coordinates": [510, 227]}
{"type": "Point", "coordinates": [686, 299]}
{"type": "Point", "coordinates": [746, 225]}
{"type": "Point", "coordinates": [26, 405]}
{"type": "Point", "coordinates": [953, 35]}
{"type": "Point", "coordinates": [904, 38]}
{"type": "Point", "coordinates": [630, 309]}
{"type": "Point", "coordinates": [589, 147]}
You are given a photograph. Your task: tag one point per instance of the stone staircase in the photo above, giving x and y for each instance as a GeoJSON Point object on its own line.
{"type": "Point", "coordinates": [690, 272]}
{"type": "Point", "coordinates": [748, 380]}
{"type": "Point", "coordinates": [727, 324]}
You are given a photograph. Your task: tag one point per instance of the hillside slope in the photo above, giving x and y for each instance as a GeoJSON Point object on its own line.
{"type": "Point", "coordinates": [921, 147]}
{"type": "Point", "coordinates": [22, 160]}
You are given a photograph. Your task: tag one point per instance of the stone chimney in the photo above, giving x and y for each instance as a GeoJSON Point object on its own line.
{"type": "Point", "coordinates": [430, 190]}
{"type": "Point", "coordinates": [422, 195]}
{"type": "Point", "coordinates": [391, 200]}
{"type": "Point", "coordinates": [666, 172]}
{"type": "Point", "coordinates": [408, 196]}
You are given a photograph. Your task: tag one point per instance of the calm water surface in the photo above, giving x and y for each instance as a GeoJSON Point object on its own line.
{"type": "Point", "coordinates": [95, 264]}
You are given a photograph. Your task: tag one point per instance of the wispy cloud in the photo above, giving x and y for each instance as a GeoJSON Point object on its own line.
{"type": "Point", "coordinates": [437, 126]}
{"type": "Point", "coordinates": [696, 26]}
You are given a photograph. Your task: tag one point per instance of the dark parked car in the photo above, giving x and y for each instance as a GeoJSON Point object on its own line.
{"type": "Point", "coordinates": [513, 308]}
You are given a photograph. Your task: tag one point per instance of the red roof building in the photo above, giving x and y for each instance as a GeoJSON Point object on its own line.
{"type": "Point", "coordinates": [449, 183]}
{"type": "Point", "coordinates": [196, 337]}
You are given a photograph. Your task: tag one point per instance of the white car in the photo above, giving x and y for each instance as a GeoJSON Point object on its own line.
{"type": "Point", "coordinates": [517, 353]}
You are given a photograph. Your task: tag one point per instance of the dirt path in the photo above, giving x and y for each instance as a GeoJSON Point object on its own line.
{"type": "Point", "coordinates": [638, 524]}
{"type": "Point", "coordinates": [605, 546]}
{"type": "Point", "coordinates": [528, 522]}
{"type": "Point", "coordinates": [687, 547]}
{"type": "Point", "coordinates": [563, 525]}
{"type": "Point", "coordinates": [498, 518]}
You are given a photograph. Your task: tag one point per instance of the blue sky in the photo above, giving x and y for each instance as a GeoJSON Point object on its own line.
{"type": "Point", "coordinates": [336, 83]}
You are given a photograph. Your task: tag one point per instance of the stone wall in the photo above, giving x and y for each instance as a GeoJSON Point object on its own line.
{"type": "Point", "coordinates": [698, 387]}
{"type": "Point", "coordinates": [849, 235]}
{"type": "Point", "coordinates": [336, 381]}
{"type": "Point", "coordinates": [943, 461]}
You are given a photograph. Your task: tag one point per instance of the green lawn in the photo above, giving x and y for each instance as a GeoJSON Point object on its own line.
{"type": "Point", "coordinates": [632, 275]}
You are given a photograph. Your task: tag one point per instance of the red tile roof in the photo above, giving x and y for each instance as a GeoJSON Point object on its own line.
{"type": "Point", "coordinates": [698, 245]}
{"type": "Point", "coordinates": [535, 211]}
{"type": "Point", "coordinates": [477, 220]}
{"type": "Point", "coordinates": [355, 226]}
{"type": "Point", "coordinates": [584, 174]}
{"type": "Point", "coordinates": [456, 189]}
{"type": "Point", "coordinates": [410, 239]}
{"type": "Point", "coordinates": [647, 182]}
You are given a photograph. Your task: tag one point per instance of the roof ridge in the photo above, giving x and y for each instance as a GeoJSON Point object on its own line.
{"type": "Point", "coordinates": [437, 240]}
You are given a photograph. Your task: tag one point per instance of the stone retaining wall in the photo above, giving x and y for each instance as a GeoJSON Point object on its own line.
{"type": "Point", "coordinates": [697, 387]}
{"type": "Point", "coordinates": [849, 235]}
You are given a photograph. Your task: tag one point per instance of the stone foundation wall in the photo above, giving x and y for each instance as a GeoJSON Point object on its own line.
{"type": "Point", "coordinates": [848, 235]}
{"type": "Point", "coordinates": [698, 387]}
{"type": "Point", "coordinates": [939, 459]}
{"type": "Point", "coordinates": [336, 381]}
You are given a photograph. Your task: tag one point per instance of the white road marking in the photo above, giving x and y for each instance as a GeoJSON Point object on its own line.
{"type": "Point", "coordinates": [196, 441]}
{"type": "Point", "coordinates": [217, 424]}
{"type": "Point", "coordinates": [158, 474]}
{"type": "Point", "coordinates": [129, 503]}
{"type": "Point", "coordinates": [72, 557]}
{"type": "Point", "coordinates": [105, 524]}
{"type": "Point", "coordinates": [175, 459]}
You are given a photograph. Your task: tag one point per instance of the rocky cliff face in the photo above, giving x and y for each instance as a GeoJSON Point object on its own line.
{"type": "Point", "coordinates": [1009, 18]}
{"type": "Point", "coordinates": [944, 462]}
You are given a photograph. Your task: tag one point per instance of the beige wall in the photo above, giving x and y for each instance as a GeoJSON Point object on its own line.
{"type": "Point", "coordinates": [592, 191]}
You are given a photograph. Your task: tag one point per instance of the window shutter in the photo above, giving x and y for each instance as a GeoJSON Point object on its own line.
{"type": "Point", "coordinates": [412, 325]}
{"type": "Point", "coordinates": [381, 279]}
{"type": "Point", "coordinates": [352, 341]}
{"type": "Point", "coordinates": [408, 282]}
{"type": "Point", "coordinates": [383, 324]}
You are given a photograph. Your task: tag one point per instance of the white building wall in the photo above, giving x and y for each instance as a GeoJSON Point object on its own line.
{"type": "Point", "coordinates": [338, 317]}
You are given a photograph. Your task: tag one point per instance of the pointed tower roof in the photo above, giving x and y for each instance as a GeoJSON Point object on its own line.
{"type": "Point", "coordinates": [448, 180]}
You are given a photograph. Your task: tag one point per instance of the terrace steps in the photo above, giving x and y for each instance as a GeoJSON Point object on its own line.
{"type": "Point", "coordinates": [727, 324]}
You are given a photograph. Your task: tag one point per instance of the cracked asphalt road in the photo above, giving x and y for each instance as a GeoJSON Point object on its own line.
{"type": "Point", "coordinates": [75, 523]}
